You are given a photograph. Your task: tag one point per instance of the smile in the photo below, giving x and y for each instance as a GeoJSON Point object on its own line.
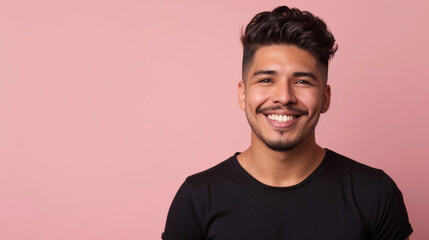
{"type": "Point", "coordinates": [281, 118]}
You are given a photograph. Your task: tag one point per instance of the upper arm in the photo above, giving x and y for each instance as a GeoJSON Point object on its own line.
{"type": "Point", "coordinates": [183, 222]}
{"type": "Point", "coordinates": [388, 217]}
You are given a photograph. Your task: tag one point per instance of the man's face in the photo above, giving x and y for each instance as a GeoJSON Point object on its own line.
{"type": "Point", "coordinates": [283, 95]}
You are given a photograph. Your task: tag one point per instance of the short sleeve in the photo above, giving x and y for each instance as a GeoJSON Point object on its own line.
{"type": "Point", "coordinates": [182, 220]}
{"type": "Point", "coordinates": [388, 215]}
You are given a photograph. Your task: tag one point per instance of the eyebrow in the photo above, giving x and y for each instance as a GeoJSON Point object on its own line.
{"type": "Point", "coordinates": [304, 74]}
{"type": "Point", "coordinates": [295, 74]}
{"type": "Point", "coordinates": [263, 72]}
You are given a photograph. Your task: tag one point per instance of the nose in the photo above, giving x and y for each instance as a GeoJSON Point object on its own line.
{"type": "Point", "coordinates": [284, 94]}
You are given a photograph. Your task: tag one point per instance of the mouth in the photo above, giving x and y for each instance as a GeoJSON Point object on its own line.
{"type": "Point", "coordinates": [282, 121]}
{"type": "Point", "coordinates": [281, 118]}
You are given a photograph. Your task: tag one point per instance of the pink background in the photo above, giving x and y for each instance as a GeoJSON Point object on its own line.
{"type": "Point", "coordinates": [107, 105]}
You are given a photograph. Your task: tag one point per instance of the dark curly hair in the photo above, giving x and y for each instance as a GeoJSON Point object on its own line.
{"type": "Point", "coordinates": [288, 26]}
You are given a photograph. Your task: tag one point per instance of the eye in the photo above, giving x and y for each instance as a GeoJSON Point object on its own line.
{"type": "Point", "coordinates": [305, 82]}
{"type": "Point", "coordinates": [265, 80]}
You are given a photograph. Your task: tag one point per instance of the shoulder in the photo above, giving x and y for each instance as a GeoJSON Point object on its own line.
{"type": "Point", "coordinates": [360, 173]}
{"type": "Point", "coordinates": [360, 181]}
{"type": "Point", "coordinates": [188, 212]}
{"type": "Point", "coordinates": [377, 196]}
{"type": "Point", "coordinates": [217, 172]}
{"type": "Point", "coordinates": [364, 177]}
{"type": "Point", "coordinates": [214, 177]}
{"type": "Point", "coordinates": [365, 181]}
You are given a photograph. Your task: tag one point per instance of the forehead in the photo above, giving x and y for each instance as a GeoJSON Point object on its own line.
{"type": "Point", "coordinates": [284, 59]}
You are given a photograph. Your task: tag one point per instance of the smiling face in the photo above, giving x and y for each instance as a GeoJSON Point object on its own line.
{"type": "Point", "coordinates": [283, 94]}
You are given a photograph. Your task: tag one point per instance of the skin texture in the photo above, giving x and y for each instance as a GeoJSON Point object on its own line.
{"type": "Point", "coordinates": [283, 79]}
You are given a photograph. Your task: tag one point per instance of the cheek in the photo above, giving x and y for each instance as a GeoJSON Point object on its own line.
{"type": "Point", "coordinates": [256, 96]}
{"type": "Point", "coordinates": [312, 100]}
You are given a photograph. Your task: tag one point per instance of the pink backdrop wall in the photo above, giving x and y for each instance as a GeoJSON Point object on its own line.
{"type": "Point", "coordinates": [107, 105]}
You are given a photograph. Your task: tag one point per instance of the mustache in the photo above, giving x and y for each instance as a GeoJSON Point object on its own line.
{"type": "Point", "coordinates": [280, 107]}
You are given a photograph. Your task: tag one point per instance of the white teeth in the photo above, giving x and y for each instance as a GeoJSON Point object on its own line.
{"type": "Point", "coordinates": [281, 118]}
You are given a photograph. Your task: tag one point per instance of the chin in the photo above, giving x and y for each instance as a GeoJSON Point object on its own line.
{"type": "Point", "coordinates": [280, 146]}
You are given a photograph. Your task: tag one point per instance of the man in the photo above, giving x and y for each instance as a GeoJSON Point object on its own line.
{"type": "Point", "coordinates": [285, 186]}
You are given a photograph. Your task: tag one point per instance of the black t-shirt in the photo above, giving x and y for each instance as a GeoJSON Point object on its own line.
{"type": "Point", "coordinates": [342, 199]}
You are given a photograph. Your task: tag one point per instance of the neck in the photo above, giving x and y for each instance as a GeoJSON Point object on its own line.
{"type": "Point", "coordinates": [281, 169]}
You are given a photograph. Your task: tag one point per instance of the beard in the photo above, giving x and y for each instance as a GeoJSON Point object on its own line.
{"type": "Point", "coordinates": [282, 143]}
{"type": "Point", "coordinates": [279, 145]}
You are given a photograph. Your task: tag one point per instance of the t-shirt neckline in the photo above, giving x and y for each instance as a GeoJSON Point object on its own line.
{"type": "Point", "coordinates": [242, 172]}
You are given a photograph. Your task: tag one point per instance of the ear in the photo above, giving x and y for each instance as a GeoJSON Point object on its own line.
{"type": "Point", "coordinates": [242, 95]}
{"type": "Point", "coordinates": [326, 98]}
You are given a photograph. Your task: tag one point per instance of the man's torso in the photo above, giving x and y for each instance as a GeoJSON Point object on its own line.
{"type": "Point", "coordinates": [339, 200]}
